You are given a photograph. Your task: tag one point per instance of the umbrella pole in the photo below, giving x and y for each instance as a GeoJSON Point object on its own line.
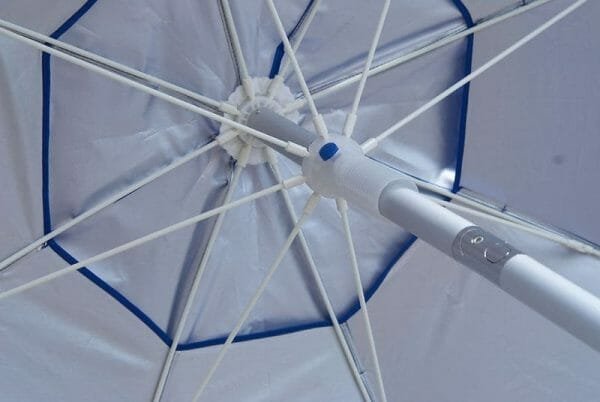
{"type": "Point", "coordinates": [338, 168]}
{"type": "Point", "coordinates": [532, 283]}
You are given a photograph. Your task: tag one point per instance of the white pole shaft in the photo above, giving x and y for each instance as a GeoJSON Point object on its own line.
{"type": "Point", "coordinates": [554, 297]}
{"type": "Point", "coordinates": [422, 217]}
{"type": "Point", "coordinates": [551, 295]}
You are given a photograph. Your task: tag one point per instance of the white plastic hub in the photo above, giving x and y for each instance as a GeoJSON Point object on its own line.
{"type": "Point", "coordinates": [348, 174]}
{"type": "Point", "coordinates": [280, 98]}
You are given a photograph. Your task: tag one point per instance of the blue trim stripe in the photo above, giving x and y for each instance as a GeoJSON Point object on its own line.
{"type": "Point", "coordinates": [46, 92]}
{"type": "Point", "coordinates": [46, 79]}
{"type": "Point", "coordinates": [280, 50]}
{"type": "Point", "coordinates": [119, 297]}
{"type": "Point", "coordinates": [46, 141]}
{"type": "Point", "coordinates": [73, 19]}
{"type": "Point", "coordinates": [464, 11]}
{"type": "Point", "coordinates": [112, 292]}
{"type": "Point", "coordinates": [342, 318]}
{"type": "Point", "coordinates": [259, 335]}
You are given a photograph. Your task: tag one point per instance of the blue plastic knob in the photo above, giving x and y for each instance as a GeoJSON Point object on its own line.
{"type": "Point", "coordinates": [328, 151]}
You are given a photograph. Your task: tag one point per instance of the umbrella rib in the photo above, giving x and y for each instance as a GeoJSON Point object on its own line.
{"type": "Point", "coordinates": [282, 74]}
{"type": "Point", "coordinates": [342, 206]}
{"type": "Point", "coordinates": [351, 118]}
{"type": "Point", "coordinates": [372, 143]}
{"type": "Point", "coordinates": [318, 121]}
{"type": "Point", "coordinates": [319, 281]}
{"type": "Point", "coordinates": [343, 83]}
{"type": "Point", "coordinates": [216, 230]}
{"type": "Point", "coordinates": [289, 183]}
{"type": "Point", "coordinates": [234, 39]}
{"type": "Point", "coordinates": [308, 208]}
{"type": "Point", "coordinates": [119, 67]}
{"type": "Point", "coordinates": [289, 146]}
{"type": "Point", "coordinates": [104, 204]}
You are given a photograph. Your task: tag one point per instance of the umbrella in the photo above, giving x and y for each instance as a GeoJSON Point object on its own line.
{"type": "Point", "coordinates": [206, 200]}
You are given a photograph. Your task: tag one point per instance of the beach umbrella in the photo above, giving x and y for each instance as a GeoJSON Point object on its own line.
{"type": "Point", "coordinates": [322, 200]}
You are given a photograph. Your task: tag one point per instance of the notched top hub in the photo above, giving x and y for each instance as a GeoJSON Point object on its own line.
{"type": "Point", "coordinates": [276, 102]}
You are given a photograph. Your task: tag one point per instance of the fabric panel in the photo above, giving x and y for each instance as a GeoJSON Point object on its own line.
{"type": "Point", "coordinates": [303, 367]}
{"type": "Point", "coordinates": [532, 136]}
{"type": "Point", "coordinates": [69, 341]}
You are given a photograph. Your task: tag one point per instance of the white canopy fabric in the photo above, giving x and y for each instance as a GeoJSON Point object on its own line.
{"type": "Point", "coordinates": [522, 138]}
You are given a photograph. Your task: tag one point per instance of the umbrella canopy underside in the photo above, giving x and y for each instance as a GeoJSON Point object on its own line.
{"type": "Point", "coordinates": [522, 138]}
